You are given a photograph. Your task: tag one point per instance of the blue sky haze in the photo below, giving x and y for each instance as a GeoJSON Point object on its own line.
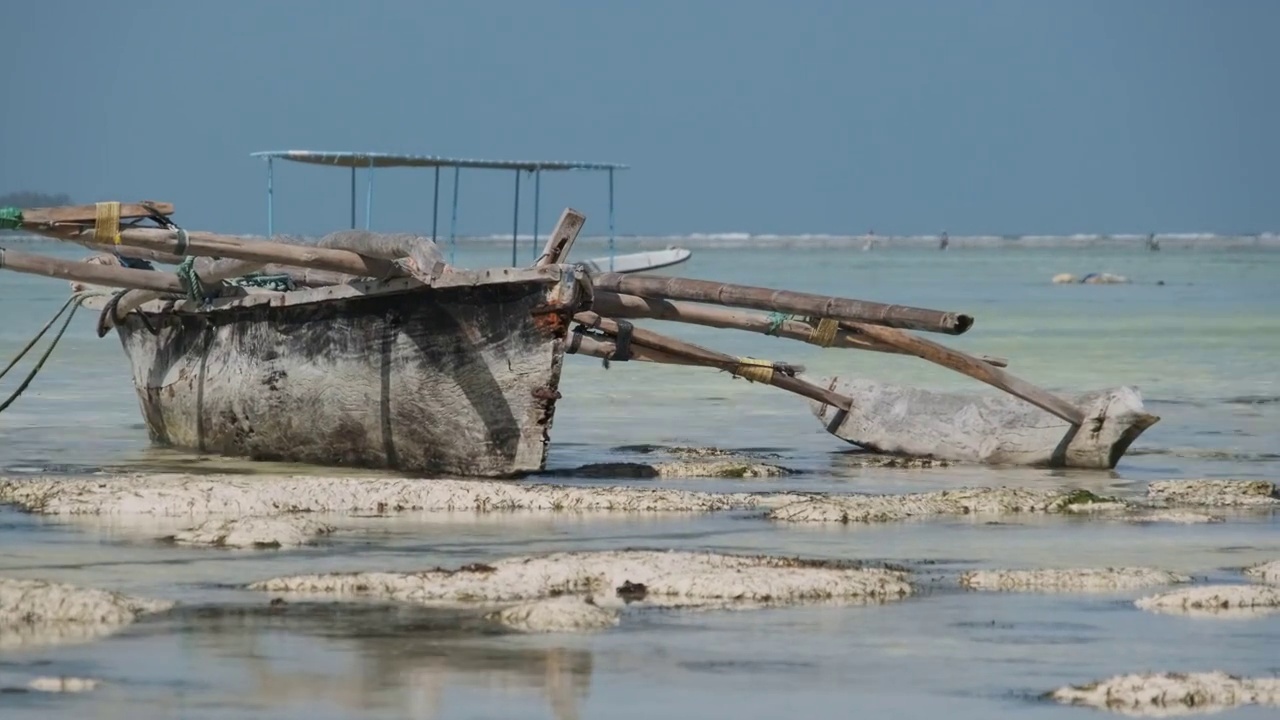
{"type": "Point", "coordinates": [810, 116]}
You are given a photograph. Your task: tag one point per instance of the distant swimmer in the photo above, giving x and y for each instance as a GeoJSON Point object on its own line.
{"type": "Point", "coordinates": [871, 240]}
{"type": "Point", "coordinates": [944, 242]}
{"type": "Point", "coordinates": [1152, 243]}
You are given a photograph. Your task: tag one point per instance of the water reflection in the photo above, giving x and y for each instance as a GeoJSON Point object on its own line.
{"type": "Point", "coordinates": [402, 659]}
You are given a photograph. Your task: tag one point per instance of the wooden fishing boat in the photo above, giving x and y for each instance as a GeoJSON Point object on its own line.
{"type": "Point", "coordinates": [370, 350]}
{"type": "Point", "coordinates": [405, 363]}
{"type": "Point", "coordinates": [459, 377]}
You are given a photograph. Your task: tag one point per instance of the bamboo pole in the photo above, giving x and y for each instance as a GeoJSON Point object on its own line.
{"type": "Point", "coordinates": [974, 368]}
{"type": "Point", "coordinates": [748, 368]}
{"type": "Point", "coordinates": [89, 273]}
{"type": "Point", "coordinates": [226, 246]}
{"type": "Point", "coordinates": [786, 301]}
{"type": "Point", "coordinates": [34, 217]}
{"type": "Point", "coordinates": [594, 346]}
{"type": "Point", "coordinates": [208, 270]}
{"type": "Point", "coordinates": [561, 240]}
{"type": "Point", "coordinates": [633, 306]}
{"type": "Point", "coordinates": [134, 252]}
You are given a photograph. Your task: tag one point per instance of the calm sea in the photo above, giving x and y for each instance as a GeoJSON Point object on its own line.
{"type": "Point", "coordinates": [1197, 330]}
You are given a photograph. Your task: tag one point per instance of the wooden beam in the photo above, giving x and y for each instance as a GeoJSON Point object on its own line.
{"type": "Point", "coordinates": [594, 346]}
{"type": "Point", "coordinates": [561, 240]}
{"type": "Point", "coordinates": [699, 355]}
{"type": "Point", "coordinates": [784, 301]}
{"type": "Point", "coordinates": [227, 246]}
{"type": "Point", "coordinates": [633, 306]}
{"type": "Point", "coordinates": [209, 271]}
{"type": "Point", "coordinates": [968, 365]}
{"type": "Point", "coordinates": [89, 213]}
{"type": "Point", "coordinates": [89, 273]}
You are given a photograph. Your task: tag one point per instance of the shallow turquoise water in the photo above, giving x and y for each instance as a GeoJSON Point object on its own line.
{"type": "Point", "coordinates": [1202, 347]}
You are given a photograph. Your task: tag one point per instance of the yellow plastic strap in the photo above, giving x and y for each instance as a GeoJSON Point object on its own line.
{"type": "Point", "coordinates": [106, 226]}
{"type": "Point", "coordinates": [825, 333]}
{"type": "Point", "coordinates": [754, 370]}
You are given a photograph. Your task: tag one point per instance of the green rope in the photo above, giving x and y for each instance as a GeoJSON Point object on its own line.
{"type": "Point", "coordinates": [775, 322]}
{"type": "Point", "coordinates": [190, 280]}
{"type": "Point", "coordinates": [10, 218]}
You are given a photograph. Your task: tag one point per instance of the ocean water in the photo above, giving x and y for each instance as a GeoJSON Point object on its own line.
{"type": "Point", "coordinates": [1198, 331]}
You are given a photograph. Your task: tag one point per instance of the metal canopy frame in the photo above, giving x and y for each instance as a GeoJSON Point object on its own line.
{"type": "Point", "coordinates": [370, 160]}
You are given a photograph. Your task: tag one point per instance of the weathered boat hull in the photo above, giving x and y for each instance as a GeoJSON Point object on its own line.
{"type": "Point", "coordinates": [439, 381]}
{"type": "Point", "coordinates": [995, 430]}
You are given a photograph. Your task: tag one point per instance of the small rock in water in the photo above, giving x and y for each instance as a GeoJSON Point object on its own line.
{"type": "Point", "coordinates": [1069, 579]}
{"type": "Point", "coordinates": [38, 612]}
{"type": "Point", "coordinates": [683, 469]}
{"type": "Point", "coordinates": [682, 451]}
{"type": "Point", "coordinates": [962, 501]}
{"type": "Point", "coordinates": [172, 494]}
{"type": "Point", "coordinates": [669, 578]}
{"type": "Point", "coordinates": [1268, 572]}
{"type": "Point", "coordinates": [876, 460]}
{"type": "Point", "coordinates": [1166, 694]}
{"type": "Point", "coordinates": [1096, 508]}
{"type": "Point", "coordinates": [1215, 601]}
{"type": "Point", "coordinates": [1104, 279]}
{"type": "Point", "coordinates": [1180, 517]}
{"type": "Point", "coordinates": [568, 613]}
{"type": "Point", "coordinates": [63, 684]}
{"type": "Point", "coordinates": [1214, 493]}
{"type": "Point", "coordinates": [259, 532]}
{"type": "Point", "coordinates": [40, 601]}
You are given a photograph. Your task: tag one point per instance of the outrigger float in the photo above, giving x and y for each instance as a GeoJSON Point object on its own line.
{"type": "Point", "coordinates": [370, 350]}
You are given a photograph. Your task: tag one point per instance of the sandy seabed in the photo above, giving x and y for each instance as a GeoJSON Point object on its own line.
{"type": "Point", "coordinates": [596, 591]}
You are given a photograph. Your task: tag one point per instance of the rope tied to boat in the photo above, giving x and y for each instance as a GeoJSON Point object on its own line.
{"type": "Point", "coordinates": [74, 303]}
{"type": "Point", "coordinates": [190, 280]}
{"type": "Point", "coordinates": [622, 341]}
{"type": "Point", "coordinates": [106, 223]}
{"type": "Point", "coordinates": [754, 370]}
{"type": "Point", "coordinates": [825, 333]}
{"type": "Point", "coordinates": [775, 322]}
{"type": "Point", "coordinates": [10, 218]}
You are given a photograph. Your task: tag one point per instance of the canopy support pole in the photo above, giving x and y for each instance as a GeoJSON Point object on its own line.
{"type": "Point", "coordinates": [537, 204]}
{"type": "Point", "coordinates": [515, 221]}
{"type": "Point", "coordinates": [453, 220]}
{"type": "Point", "coordinates": [353, 197]}
{"type": "Point", "coordinates": [610, 219]}
{"type": "Point", "coordinates": [368, 198]}
{"type": "Point", "coordinates": [270, 203]}
{"type": "Point", "coordinates": [435, 205]}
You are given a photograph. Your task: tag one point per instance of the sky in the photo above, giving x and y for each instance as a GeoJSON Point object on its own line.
{"type": "Point", "coordinates": [759, 116]}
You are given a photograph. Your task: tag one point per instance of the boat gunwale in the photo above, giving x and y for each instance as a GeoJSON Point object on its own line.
{"type": "Point", "coordinates": [355, 289]}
